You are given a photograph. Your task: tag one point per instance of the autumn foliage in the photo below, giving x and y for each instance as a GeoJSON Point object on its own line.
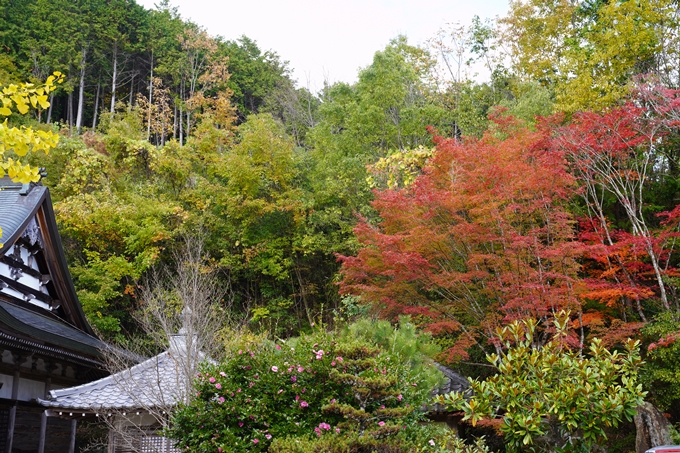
{"type": "Point", "coordinates": [489, 232]}
{"type": "Point", "coordinates": [483, 235]}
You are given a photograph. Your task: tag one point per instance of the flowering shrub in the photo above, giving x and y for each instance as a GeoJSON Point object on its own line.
{"type": "Point", "coordinates": [316, 387]}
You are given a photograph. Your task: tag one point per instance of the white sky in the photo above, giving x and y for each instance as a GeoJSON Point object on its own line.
{"type": "Point", "coordinates": [330, 40]}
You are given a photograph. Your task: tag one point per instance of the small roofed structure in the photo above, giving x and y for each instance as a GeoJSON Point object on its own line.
{"type": "Point", "coordinates": [46, 342]}
{"type": "Point", "coordinates": [453, 382]}
{"type": "Point", "coordinates": [134, 402]}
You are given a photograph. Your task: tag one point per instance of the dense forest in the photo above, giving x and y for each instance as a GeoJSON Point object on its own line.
{"type": "Point", "coordinates": [417, 190]}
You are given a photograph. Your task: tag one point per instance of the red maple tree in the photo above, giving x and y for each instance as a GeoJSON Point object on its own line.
{"type": "Point", "coordinates": [482, 236]}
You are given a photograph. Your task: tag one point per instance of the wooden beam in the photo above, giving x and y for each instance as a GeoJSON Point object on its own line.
{"type": "Point", "coordinates": [43, 431]}
{"type": "Point", "coordinates": [36, 293]}
{"type": "Point", "coordinates": [19, 265]}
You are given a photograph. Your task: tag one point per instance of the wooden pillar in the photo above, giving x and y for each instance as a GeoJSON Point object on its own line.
{"type": "Point", "coordinates": [43, 431]}
{"type": "Point", "coordinates": [15, 385]}
{"type": "Point", "coordinates": [10, 428]}
{"type": "Point", "coordinates": [72, 447]}
{"type": "Point", "coordinates": [48, 384]}
{"type": "Point", "coordinates": [13, 411]}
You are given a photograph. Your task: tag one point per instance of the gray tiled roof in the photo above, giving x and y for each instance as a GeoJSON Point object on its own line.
{"type": "Point", "coordinates": [453, 382]}
{"type": "Point", "coordinates": [17, 210]}
{"type": "Point", "coordinates": [160, 381]}
{"type": "Point", "coordinates": [49, 331]}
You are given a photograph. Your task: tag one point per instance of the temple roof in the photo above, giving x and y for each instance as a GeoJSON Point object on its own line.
{"type": "Point", "coordinates": [16, 209]}
{"type": "Point", "coordinates": [161, 381]}
{"type": "Point", "coordinates": [28, 222]}
{"type": "Point", "coordinates": [47, 334]}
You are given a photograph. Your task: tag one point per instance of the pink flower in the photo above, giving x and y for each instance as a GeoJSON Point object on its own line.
{"type": "Point", "coordinates": [303, 404]}
{"type": "Point", "coordinates": [269, 436]}
{"type": "Point", "coordinates": [333, 363]}
{"type": "Point", "coordinates": [240, 352]}
{"type": "Point", "coordinates": [212, 380]}
{"type": "Point", "coordinates": [325, 426]}
{"type": "Point", "coordinates": [278, 348]}
{"type": "Point", "coordinates": [431, 442]}
{"type": "Point", "coordinates": [220, 400]}
{"type": "Point", "coordinates": [238, 391]}
{"type": "Point", "coordinates": [240, 424]}
{"type": "Point", "coordinates": [279, 392]}
{"type": "Point", "coordinates": [223, 374]}
{"type": "Point", "coordinates": [339, 359]}
{"type": "Point", "coordinates": [300, 369]}
{"type": "Point", "coordinates": [218, 386]}
{"type": "Point", "coordinates": [337, 430]}
{"type": "Point", "coordinates": [317, 431]}
{"type": "Point", "coordinates": [333, 401]}
{"type": "Point", "coordinates": [275, 369]}
{"type": "Point", "coordinates": [293, 378]}
{"type": "Point", "coordinates": [255, 441]}
{"type": "Point", "coordinates": [218, 449]}
{"type": "Point", "coordinates": [381, 423]}
{"type": "Point", "coordinates": [400, 397]}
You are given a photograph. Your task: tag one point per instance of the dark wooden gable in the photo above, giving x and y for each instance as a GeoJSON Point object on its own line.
{"type": "Point", "coordinates": [33, 270]}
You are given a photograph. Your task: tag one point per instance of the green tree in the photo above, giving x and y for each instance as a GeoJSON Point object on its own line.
{"type": "Point", "coordinates": [254, 74]}
{"type": "Point", "coordinates": [587, 53]}
{"type": "Point", "coordinates": [22, 140]}
{"type": "Point", "coordinates": [662, 361]}
{"type": "Point", "coordinates": [554, 398]}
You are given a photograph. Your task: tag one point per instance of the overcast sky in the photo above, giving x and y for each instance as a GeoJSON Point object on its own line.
{"type": "Point", "coordinates": [330, 40]}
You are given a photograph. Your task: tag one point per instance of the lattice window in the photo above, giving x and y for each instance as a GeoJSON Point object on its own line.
{"type": "Point", "coordinates": [141, 440]}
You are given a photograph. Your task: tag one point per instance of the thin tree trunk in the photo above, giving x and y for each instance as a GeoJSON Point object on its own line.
{"type": "Point", "coordinates": [132, 90]}
{"type": "Point", "coordinates": [181, 117]}
{"type": "Point", "coordinates": [49, 111]}
{"type": "Point", "coordinates": [81, 92]}
{"type": "Point", "coordinates": [114, 77]}
{"type": "Point", "coordinates": [148, 123]}
{"type": "Point", "coordinates": [174, 122]}
{"type": "Point", "coordinates": [96, 106]}
{"type": "Point", "coordinates": [181, 131]}
{"type": "Point", "coordinates": [69, 113]}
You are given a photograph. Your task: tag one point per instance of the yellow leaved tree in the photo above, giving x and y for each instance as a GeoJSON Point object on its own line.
{"type": "Point", "coordinates": [19, 141]}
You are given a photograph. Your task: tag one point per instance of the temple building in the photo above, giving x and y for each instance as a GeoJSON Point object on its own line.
{"type": "Point", "coordinates": [46, 342]}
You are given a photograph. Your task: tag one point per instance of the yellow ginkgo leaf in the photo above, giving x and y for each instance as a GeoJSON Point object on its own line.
{"type": "Point", "coordinates": [22, 108]}
{"type": "Point", "coordinates": [42, 100]}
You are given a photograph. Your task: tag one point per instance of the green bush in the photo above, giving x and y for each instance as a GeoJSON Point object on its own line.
{"type": "Point", "coordinates": [661, 375]}
{"type": "Point", "coordinates": [361, 390]}
{"type": "Point", "coordinates": [552, 398]}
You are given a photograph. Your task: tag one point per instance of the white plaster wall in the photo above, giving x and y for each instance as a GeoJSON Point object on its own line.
{"type": "Point", "coordinates": [30, 389]}
{"type": "Point", "coordinates": [6, 390]}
